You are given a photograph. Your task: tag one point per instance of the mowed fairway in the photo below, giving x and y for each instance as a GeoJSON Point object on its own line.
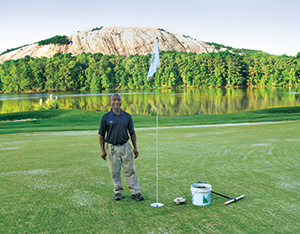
{"type": "Point", "coordinates": [56, 182]}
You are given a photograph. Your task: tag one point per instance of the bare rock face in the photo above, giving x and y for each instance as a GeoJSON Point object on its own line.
{"type": "Point", "coordinates": [118, 41]}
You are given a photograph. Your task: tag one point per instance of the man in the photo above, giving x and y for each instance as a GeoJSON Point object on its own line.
{"type": "Point", "coordinates": [114, 128]}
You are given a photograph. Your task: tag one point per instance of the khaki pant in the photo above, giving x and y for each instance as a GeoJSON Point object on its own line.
{"type": "Point", "coordinates": [121, 155]}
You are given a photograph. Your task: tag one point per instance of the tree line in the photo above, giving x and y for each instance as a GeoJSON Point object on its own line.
{"type": "Point", "coordinates": [86, 71]}
{"type": "Point", "coordinates": [61, 40]}
{"type": "Point", "coordinates": [235, 50]}
{"type": "Point", "coordinates": [12, 49]}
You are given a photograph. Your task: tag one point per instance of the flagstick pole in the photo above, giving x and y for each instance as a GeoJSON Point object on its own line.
{"type": "Point", "coordinates": [157, 204]}
{"type": "Point", "coordinates": [157, 139]}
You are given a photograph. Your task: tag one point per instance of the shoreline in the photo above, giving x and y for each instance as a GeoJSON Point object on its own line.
{"type": "Point", "coordinates": [17, 120]}
{"type": "Point", "coordinates": [160, 88]}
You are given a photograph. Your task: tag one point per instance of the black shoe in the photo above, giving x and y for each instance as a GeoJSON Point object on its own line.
{"type": "Point", "coordinates": [137, 197]}
{"type": "Point", "coordinates": [118, 196]}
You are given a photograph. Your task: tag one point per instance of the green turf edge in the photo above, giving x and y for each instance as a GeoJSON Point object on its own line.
{"type": "Point", "coordinates": [80, 120]}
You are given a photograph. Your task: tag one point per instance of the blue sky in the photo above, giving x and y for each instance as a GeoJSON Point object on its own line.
{"type": "Point", "coordinates": [268, 25]}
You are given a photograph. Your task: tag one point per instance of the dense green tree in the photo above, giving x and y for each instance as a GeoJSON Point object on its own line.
{"type": "Point", "coordinates": [87, 71]}
{"type": "Point", "coordinates": [51, 71]}
{"type": "Point", "coordinates": [37, 67]}
{"type": "Point", "coordinates": [64, 81]}
{"type": "Point", "coordinates": [55, 40]}
{"type": "Point", "coordinates": [234, 71]}
{"type": "Point", "coordinates": [5, 75]}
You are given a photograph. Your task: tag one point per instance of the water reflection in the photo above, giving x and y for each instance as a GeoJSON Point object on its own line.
{"type": "Point", "coordinates": [179, 102]}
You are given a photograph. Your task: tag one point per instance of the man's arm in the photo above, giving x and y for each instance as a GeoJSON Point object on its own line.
{"type": "Point", "coordinates": [133, 139]}
{"type": "Point", "coordinates": [102, 142]}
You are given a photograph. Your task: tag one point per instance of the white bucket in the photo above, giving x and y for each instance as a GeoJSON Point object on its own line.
{"type": "Point", "coordinates": [201, 194]}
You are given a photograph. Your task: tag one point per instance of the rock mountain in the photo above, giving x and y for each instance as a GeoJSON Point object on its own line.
{"type": "Point", "coordinates": [118, 41]}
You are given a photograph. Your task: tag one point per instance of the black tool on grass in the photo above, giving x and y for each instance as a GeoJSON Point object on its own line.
{"type": "Point", "coordinates": [231, 199]}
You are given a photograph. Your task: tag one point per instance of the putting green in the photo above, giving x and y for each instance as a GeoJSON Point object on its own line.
{"type": "Point", "coordinates": [56, 181]}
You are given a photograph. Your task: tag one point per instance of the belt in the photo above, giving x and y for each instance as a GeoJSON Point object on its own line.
{"type": "Point", "coordinates": [117, 144]}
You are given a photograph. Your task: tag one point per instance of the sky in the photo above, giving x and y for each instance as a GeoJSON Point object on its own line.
{"type": "Point", "coordinates": [268, 25]}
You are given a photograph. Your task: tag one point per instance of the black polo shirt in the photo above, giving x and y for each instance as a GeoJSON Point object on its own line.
{"type": "Point", "coordinates": [116, 127]}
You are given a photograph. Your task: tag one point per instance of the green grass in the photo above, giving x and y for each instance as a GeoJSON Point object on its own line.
{"type": "Point", "coordinates": [71, 120]}
{"type": "Point", "coordinates": [55, 181]}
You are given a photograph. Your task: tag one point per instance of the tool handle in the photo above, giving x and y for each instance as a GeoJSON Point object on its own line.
{"type": "Point", "coordinates": [234, 200]}
{"type": "Point", "coordinates": [221, 195]}
{"type": "Point", "coordinates": [200, 182]}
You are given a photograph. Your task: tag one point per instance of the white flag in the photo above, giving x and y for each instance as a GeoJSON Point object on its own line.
{"type": "Point", "coordinates": [154, 60]}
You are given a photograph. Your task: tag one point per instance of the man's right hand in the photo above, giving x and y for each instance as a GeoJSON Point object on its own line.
{"type": "Point", "coordinates": [103, 155]}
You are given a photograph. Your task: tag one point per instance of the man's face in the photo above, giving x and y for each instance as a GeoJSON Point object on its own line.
{"type": "Point", "coordinates": [116, 101]}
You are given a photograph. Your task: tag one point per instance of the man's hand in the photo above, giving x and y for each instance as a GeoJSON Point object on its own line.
{"type": "Point", "coordinates": [103, 155]}
{"type": "Point", "coordinates": [136, 153]}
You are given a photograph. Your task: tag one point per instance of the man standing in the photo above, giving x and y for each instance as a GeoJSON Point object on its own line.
{"type": "Point", "coordinates": [114, 128]}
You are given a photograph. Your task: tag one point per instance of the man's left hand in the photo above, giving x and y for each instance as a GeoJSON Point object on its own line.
{"type": "Point", "coordinates": [136, 153]}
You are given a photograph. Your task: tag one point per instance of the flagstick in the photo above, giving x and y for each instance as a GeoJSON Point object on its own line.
{"type": "Point", "coordinates": [157, 140]}
{"type": "Point", "coordinates": [152, 70]}
{"type": "Point", "coordinates": [157, 204]}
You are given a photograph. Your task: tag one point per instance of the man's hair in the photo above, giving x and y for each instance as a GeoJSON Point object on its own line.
{"type": "Point", "coordinates": [114, 95]}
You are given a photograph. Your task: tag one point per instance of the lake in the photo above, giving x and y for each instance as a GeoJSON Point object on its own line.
{"type": "Point", "coordinates": [171, 102]}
